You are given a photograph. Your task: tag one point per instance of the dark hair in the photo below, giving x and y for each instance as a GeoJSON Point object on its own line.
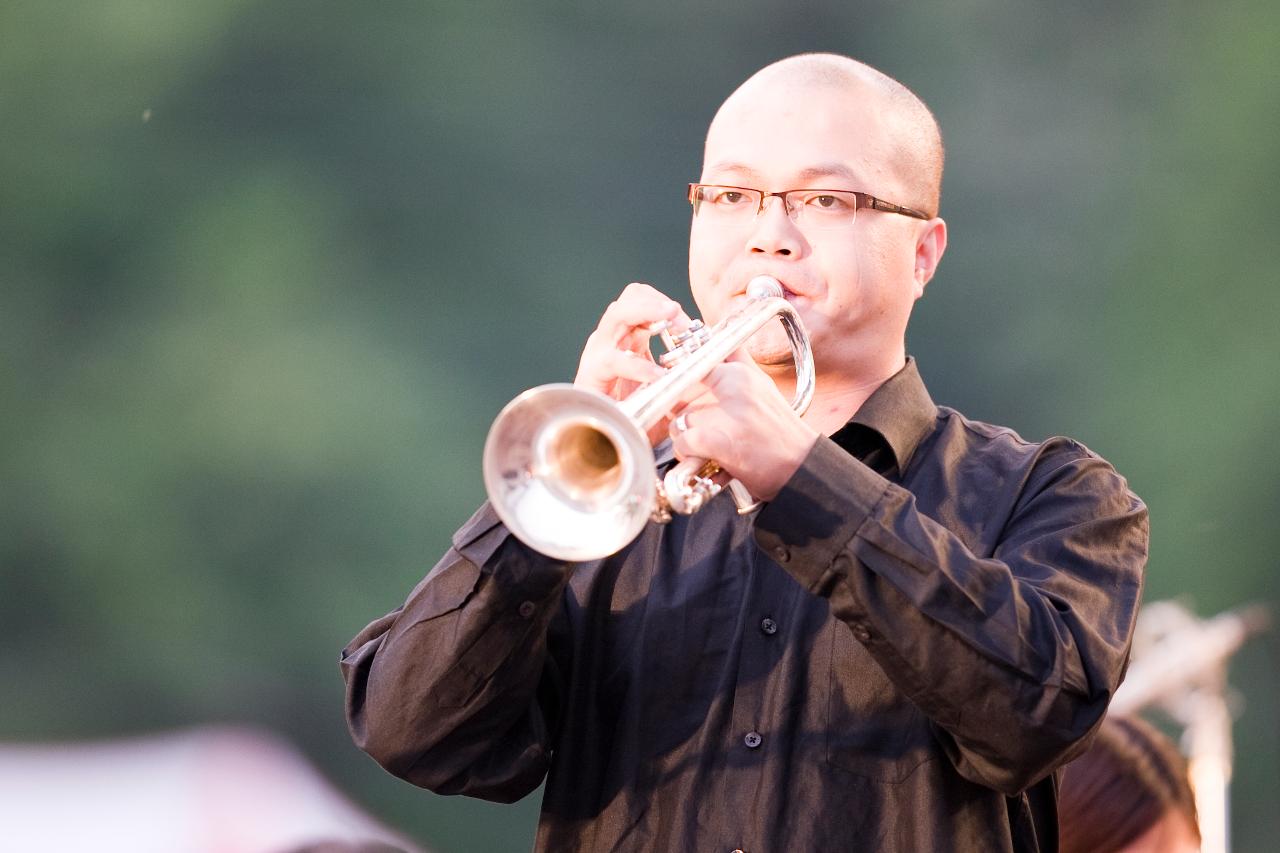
{"type": "Point", "coordinates": [1129, 778]}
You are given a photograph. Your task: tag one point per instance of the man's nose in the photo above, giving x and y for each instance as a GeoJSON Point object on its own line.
{"type": "Point", "coordinates": [774, 232]}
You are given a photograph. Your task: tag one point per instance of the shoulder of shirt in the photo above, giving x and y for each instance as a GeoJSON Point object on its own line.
{"type": "Point", "coordinates": [1036, 465]}
{"type": "Point", "coordinates": [1005, 439]}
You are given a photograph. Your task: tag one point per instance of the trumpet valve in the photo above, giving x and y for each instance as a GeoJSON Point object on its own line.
{"type": "Point", "coordinates": [690, 484]}
{"type": "Point", "coordinates": [661, 513]}
{"type": "Point", "coordinates": [682, 343]}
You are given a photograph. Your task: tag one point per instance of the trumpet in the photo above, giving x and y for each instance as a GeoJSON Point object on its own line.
{"type": "Point", "coordinates": [570, 471]}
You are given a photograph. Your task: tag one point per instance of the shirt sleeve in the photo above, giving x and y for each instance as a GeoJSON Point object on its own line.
{"type": "Point", "coordinates": [1013, 656]}
{"type": "Point", "coordinates": [456, 690]}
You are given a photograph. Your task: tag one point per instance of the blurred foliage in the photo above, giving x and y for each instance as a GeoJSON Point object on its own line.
{"type": "Point", "coordinates": [269, 269]}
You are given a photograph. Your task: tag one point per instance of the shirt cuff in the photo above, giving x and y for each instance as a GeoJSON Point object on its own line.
{"type": "Point", "coordinates": [818, 512]}
{"type": "Point", "coordinates": [521, 572]}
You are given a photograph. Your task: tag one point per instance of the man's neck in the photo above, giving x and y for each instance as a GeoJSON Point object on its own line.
{"type": "Point", "coordinates": [837, 397]}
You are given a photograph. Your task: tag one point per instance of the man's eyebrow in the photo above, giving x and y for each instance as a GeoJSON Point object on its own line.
{"type": "Point", "coordinates": [828, 170]}
{"type": "Point", "coordinates": [736, 168]}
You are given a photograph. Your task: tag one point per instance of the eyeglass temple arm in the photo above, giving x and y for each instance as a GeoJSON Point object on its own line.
{"type": "Point", "coordinates": [889, 207]}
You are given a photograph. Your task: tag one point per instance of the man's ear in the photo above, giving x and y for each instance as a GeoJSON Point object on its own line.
{"type": "Point", "coordinates": [930, 244]}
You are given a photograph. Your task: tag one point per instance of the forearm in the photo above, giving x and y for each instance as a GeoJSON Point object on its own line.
{"type": "Point", "coordinates": [1015, 654]}
{"type": "Point", "coordinates": [444, 691]}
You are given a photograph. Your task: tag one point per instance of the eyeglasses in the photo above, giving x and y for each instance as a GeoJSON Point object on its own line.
{"type": "Point", "coordinates": [810, 208]}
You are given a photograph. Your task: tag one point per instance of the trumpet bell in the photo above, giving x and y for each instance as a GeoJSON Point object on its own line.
{"type": "Point", "coordinates": [569, 473]}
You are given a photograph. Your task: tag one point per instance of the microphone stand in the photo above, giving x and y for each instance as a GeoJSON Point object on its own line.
{"type": "Point", "coordinates": [1180, 666]}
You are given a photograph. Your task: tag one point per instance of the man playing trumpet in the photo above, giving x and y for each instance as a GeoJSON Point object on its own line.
{"type": "Point", "coordinates": [926, 618]}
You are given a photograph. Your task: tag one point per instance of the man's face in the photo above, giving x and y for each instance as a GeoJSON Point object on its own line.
{"type": "Point", "coordinates": [854, 287]}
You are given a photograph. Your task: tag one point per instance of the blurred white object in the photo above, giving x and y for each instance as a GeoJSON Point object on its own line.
{"type": "Point", "coordinates": [212, 790]}
{"type": "Point", "coordinates": [1175, 654]}
{"type": "Point", "coordinates": [1180, 666]}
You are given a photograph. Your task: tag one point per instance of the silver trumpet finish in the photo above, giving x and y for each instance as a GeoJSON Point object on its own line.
{"type": "Point", "coordinates": [571, 472]}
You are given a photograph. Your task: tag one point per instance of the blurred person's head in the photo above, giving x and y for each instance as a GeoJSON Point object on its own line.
{"type": "Point", "coordinates": [1128, 793]}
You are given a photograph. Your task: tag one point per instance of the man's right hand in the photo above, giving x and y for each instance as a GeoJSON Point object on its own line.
{"type": "Point", "coordinates": [616, 358]}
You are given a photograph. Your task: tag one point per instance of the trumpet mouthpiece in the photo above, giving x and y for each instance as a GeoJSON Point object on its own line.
{"type": "Point", "coordinates": [762, 286]}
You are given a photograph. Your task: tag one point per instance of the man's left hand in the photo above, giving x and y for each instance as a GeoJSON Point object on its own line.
{"type": "Point", "coordinates": [743, 423]}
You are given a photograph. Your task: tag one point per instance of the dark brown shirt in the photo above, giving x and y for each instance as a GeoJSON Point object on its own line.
{"type": "Point", "coordinates": [893, 655]}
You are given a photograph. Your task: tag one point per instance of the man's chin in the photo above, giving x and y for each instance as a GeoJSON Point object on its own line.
{"type": "Point", "coordinates": [770, 353]}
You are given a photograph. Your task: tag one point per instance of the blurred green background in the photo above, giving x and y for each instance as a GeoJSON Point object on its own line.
{"type": "Point", "coordinates": [268, 271]}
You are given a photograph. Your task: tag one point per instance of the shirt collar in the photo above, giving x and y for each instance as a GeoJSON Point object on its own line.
{"type": "Point", "coordinates": [900, 412]}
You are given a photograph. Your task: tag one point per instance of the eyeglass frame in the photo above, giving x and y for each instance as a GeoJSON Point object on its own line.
{"type": "Point", "coordinates": [861, 200]}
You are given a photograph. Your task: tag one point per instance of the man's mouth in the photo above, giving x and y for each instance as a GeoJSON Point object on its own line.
{"type": "Point", "coordinates": [787, 293]}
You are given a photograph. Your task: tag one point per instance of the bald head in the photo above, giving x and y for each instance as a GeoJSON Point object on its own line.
{"type": "Point", "coordinates": [915, 142]}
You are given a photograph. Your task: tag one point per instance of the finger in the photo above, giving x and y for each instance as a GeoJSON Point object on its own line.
{"type": "Point", "coordinates": [677, 426]}
{"type": "Point", "coordinates": [680, 423]}
{"type": "Point", "coordinates": [695, 393]}
{"type": "Point", "coordinates": [603, 341]}
{"type": "Point", "coordinates": [601, 368]}
{"type": "Point", "coordinates": [624, 364]}
{"type": "Point", "coordinates": [697, 439]}
{"type": "Point", "coordinates": [730, 380]}
{"type": "Point", "coordinates": [689, 427]}
{"type": "Point", "coordinates": [744, 369]}
{"type": "Point", "coordinates": [637, 308]}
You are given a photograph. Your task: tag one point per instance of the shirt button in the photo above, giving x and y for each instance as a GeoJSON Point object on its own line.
{"type": "Point", "coordinates": [861, 632]}
{"type": "Point", "coordinates": [768, 626]}
{"type": "Point", "coordinates": [781, 553]}
{"type": "Point", "coordinates": [526, 609]}
{"type": "Point", "coordinates": [752, 739]}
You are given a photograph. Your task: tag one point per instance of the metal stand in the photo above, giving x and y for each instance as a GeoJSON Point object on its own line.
{"type": "Point", "coordinates": [1180, 666]}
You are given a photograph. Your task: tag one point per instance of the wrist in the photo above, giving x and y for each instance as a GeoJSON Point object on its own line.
{"type": "Point", "coordinates": [792, 454]}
